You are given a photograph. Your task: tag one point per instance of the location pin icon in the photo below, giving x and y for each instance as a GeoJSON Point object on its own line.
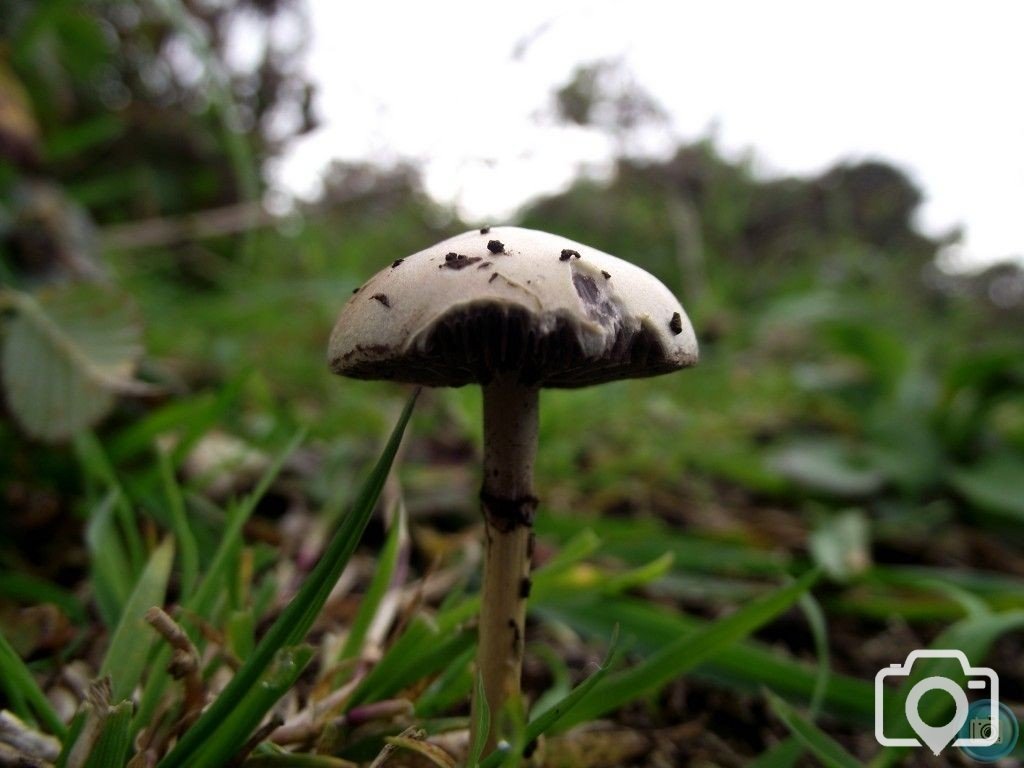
{"type": "Point", "coordinates": [936, 738]}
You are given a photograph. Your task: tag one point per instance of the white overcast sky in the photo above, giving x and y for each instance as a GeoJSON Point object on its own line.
{"type": "Point", "coordinates": [935, 88]}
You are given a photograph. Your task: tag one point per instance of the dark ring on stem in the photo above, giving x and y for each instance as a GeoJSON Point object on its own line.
{"type": "Point", "coordinates": [508, 514]}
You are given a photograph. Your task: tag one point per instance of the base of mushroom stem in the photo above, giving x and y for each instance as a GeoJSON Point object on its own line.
{"type": "Point", "coordinates": [503, 617]}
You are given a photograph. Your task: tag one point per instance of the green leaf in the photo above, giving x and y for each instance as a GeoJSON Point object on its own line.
{"type": "Point", "coordinates": [180, 525]}
{"type": "Point", "coordinates": [73, 140]}
{"type": "Point", "coordinates": [67, 354]}
{"type": "Point", "coordinates": [75, 730]}
{"type": "Point", "coordinates": [995, 485]}
{"type": "Point", "coordinates": [746, 665]}
{"type": "Point", "coordinates": [449, 688]}
{"type": "Point", "coordinates": [825, 466]}
{"type": "Point", "coordinates": [107, 561]}
{"type": "Point", "coordinates": [295, 620]}
{"type": "Point", "coordinates": [190, 417]}
{"type": "Point", "coordinates": [386, 562]}
{"type": "Point", "coordinates": [247, 713]}
{"type": "Point", "coordinates": [782, 755]}
{"type": "Point", "coordinates": [841, 545]}
{"type": "Point", "coordinates": [561, 683]}
{"type": "Point", "coordinates": [997, 589]}
{"type": "Point", "coordinates": [481, 724]}
{"type": "Point", "coordinates": [826, 749]}
{"type": "Point", "coordinates": [422, 650]}
{"type": "Point", "coordinates": [203, 601]}
{"type": "Point", "coordinates": [638, 577]}
{"type": "Point", "coordinates": [115, 740]}
{"type": "Point", "coordinates": [819, 630]}
{"type": "Point", "coordinates": [217, 575]}
{"type": "Point", "coordinates": [96, 464]}
{"type": "Point", "coordinates": [132, 639]}
{"type": "Point", "coordinates": [240, 632]}
{"type": "Point", "coordinates": [639, 540]}
{"type": "Point", "coordinates": [31, 590]}
{"type": "Point", "coordinates": [683, 654]}
{"type": "Point", "coordinates": [549, 717]}
{"type": "Point", "coordinates": [17, 682]}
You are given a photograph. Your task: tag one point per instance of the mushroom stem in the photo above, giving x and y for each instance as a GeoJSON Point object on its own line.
{"type": "Point", "coordinates": [508, 504]}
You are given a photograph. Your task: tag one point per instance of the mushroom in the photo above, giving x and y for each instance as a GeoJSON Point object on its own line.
{"type": "Point", "coordinates": [513, 310]}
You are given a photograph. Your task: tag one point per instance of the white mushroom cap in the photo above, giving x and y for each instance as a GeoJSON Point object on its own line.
{"type": "Point", "coordinates": [511, 301]}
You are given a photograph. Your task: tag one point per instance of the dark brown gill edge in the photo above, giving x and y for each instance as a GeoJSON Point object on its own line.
{"type": "Point", "coordinates": [476, 343]}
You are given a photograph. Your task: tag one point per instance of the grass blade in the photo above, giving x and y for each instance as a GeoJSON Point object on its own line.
{"type": "Point", "coordinates": [28, 589]}
{"type": "Point", "coordinates": [233, 732]}
{"type": "Point", "coordinates": [746, 665]}
{"type": "Point", "coordinates": [293, 623]}
{"type": "Point", "coordinates": [453, 685]}
{"type": "Point", "coordinates": [481, 725]}
{"type": "Point", "coordinates": [96, 463]}
{"type": "Point", "coordinates": [111, 748]}
{"type": "Point", "coordinates": [204, 600]}
{"type": "Point", "coordinates": [819, 631]}
{"type": "Point", "coordinates": [824, 747]}
{"type": "Point", "coordinates": [551, 716]}
{"type": "Point", "coordinates": [108, 562]}
{"type": "Point", "coordinates": [686, 652]}
{"type": "Point", "coordinates": [212, 584]}
{"type": "Point", "coordinates": [17, 682]}
{"type": "Point", "coordinates": [421, 650]}
{"type": "Point", "coordinates": [130, 644]}
{"type": "Point", "coordinates": [385, 569]}
{"type": "Point", "coordinates": [782, 755]}
{"type": "Point", "coordinates": [179, 523]}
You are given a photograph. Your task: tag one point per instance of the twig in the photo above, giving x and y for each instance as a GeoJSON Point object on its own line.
{"type": "Point", "coordinates": [184, 664]}
{"type": "Point", "coordinates": [27, 740]}
{"type": "Point", "coordinates": [409, 733]}
{"type": "Point", "coordinates": [145, 759]}
{"type": "Point", "coordinates": [13, 758]}
{"type": "Point", "coordinates": [689, 245]}
{"type": "Point", "coordinates": [18, 734]}
{"type": "Point", "coordinates": [158, 232]}
{"type": "Point", "coordinates": [310, 721]}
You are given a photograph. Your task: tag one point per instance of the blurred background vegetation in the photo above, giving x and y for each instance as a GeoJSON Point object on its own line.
{"type": "Point", "coordinates": [856, 406]}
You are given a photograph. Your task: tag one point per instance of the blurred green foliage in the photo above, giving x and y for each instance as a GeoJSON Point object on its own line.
{"type": "Point", "coordinates": [840, 364]}
{"type": "Point", "coordinates": [855, 404]}
{"type": "Point", "coordinates": [131, 108]}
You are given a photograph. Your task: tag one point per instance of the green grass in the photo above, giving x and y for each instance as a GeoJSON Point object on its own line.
{"type": "Point", "coordinates": [814, 480]}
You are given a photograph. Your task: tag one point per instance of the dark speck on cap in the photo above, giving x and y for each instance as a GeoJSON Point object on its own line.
{"type": "Point", "coordinates": [396, 262]}
{"type": "Point", "coordinates": [484, 230]}
{"type": "Point", "coordinates": [568, 253]}
{"type": "Point", "coordinates": [382, 298]}
{"type": "Point", "coordinates": [496, 246]}
{"type": "Point", "coordinates": [676, 323]}
{"type": "Point", "coordinates": [459, 261]}
{"type": "Point", "coordinates": [607, 275]}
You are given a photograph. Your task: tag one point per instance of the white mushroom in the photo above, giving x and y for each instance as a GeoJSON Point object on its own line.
{"type": "Point", "coordinates": [579, 316]}
{"type": "Point", "coordinates": [513, 310]}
